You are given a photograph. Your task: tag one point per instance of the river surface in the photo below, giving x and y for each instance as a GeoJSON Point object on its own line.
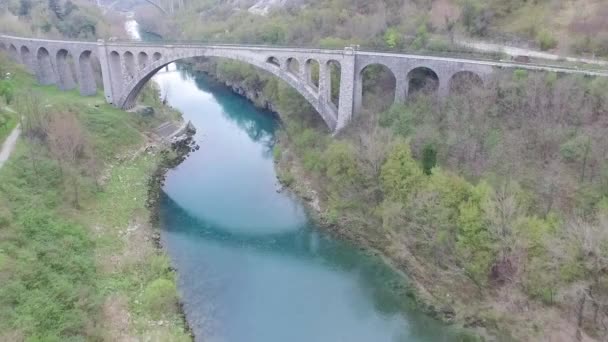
{"type": "Point", "coordinates": [251, 265]}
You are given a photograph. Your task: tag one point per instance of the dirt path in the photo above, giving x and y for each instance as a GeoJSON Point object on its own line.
{"type": "Point", "coordinates": [516, 51]}
{"type": "Point", "coordinates": [9, 145]}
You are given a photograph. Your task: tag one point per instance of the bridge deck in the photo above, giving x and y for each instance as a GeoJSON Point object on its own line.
{"type": "Point", "coordinates": [252, 47]}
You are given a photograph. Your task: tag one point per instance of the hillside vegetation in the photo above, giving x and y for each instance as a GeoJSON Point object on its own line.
{"type": "Point", "coordinates": [77, 19]}
{"type": "Point", "coordinates": [78, 259]}
{"type": "Point", "coordinates": [571, 26]}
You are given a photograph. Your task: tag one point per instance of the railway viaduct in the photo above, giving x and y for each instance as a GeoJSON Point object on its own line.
{"type": "Point", "coordinates": [126, 66]}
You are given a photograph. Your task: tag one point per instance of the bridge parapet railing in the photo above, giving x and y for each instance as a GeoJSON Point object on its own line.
{"type": "Point", "coordinates": [452, 53]}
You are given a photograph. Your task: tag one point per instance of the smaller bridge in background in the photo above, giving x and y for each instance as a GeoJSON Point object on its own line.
{"type": "Point", "coordinates": [126, 67]}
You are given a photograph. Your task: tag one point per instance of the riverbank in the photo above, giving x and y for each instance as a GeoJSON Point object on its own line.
{"type": "Point", "coordinates": [79, 258]}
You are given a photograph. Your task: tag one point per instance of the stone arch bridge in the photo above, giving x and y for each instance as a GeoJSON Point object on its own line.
{"type": "Point", "coordinates": [127, 66]}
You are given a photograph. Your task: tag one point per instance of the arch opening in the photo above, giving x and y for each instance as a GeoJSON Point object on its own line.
{"type": "Point", "coordinates": [274, 61]}
{"type": "Point", "coordinates": [44, 71]}
{"type": "Point", "coordinates": [26, 58]}
{"type": "Point", "coordinates": [378, 87]}
{"type": "Point", "coordinates": [312, 73]}
{"type": "Point", "coordinates": [2, 46]}
{"type": "Point", "coordinates": [156, 56]}
{"type": "Point", "coordinates": [87, 82]}
{"type": "Point", "coordinates": [464, 82]}
{"type": "Point", "coordinates": [422, 80]}
{"type": "Point", "coordinates": [335, 72]}
{"type": "Point", "coordinates": [13, 53]}
{"type": "Point", "coordinates": [293, 66]}
{"type": "Point", "coordinates": [127, 99]}
{"type": "Point", "coordinates": [142, 60]}
{"type": "Point", "coordinates": [65, 69]}
{"type": "Point", "coordinates": [116, 70]}
{"type": "Point", "coordinates": [129, 64]}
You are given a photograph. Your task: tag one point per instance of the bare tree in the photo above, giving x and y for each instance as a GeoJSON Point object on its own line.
{"type": "Point", "coordinates": [68, 144]}
{"type": "Point", "coordinates": [34, 120]}
{"type": "Point", "coordinates": [590, 239]}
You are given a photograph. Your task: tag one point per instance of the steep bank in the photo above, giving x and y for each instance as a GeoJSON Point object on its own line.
{"type": "Point", "coordinates": [78, 255]}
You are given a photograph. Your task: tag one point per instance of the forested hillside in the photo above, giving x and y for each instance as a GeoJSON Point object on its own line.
{"type": "Point", "coordinates": [80, 19]}
{"type": "Point", "coordinates": [570, 26]}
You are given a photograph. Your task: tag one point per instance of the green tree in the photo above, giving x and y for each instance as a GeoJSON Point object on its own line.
{"type": "Point", "coordinates": [474, 243]}
{"type": "Point", "coordinates": [392, 38]}
{"type": "Point", "coordinates": [341, 165]}
{"type": "Point", "coordinates": [159, 297]}
{"type": "Point", "coordinates": [429, 157]}
{"type": "Point", "coordinates": [401, 176]}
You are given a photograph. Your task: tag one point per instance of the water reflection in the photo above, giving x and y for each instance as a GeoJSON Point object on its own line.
{"type": "Point", "coordinates": [387, 290]}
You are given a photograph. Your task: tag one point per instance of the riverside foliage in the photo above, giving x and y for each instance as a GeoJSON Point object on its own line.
{"type": "Point", "coordinates": [72, 211]}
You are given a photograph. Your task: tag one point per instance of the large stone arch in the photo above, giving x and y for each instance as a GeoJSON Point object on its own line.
{"type": "Point", "coordinates": [390, 83]}
{"type": "Point", "coordinates": [422, 78]}
{"type": "Point", "coordinates": [464, 81]}
{"type": "Point", "coordinates": [44, 71]}
{"type": "Point", "coordinates": [126, 98]}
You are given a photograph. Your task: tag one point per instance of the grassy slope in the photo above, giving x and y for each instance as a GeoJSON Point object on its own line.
{"type": "Point", "coordinates": [91, 272]}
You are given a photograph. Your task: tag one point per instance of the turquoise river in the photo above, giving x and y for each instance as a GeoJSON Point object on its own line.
{"type": "Point", "coordinates": [251, 265]}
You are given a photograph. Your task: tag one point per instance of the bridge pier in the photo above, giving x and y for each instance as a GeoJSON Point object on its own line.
{"type": "Point", "coordinates": [106, 74]}
{"type": "Point", "coordinates": [401, 87]}
{"type": "Point", "coordinates": [324, 82]}
{"type": "Point", "coordinates": [348, 88]}
{"type": "Point", "coordinates": [443, 91]}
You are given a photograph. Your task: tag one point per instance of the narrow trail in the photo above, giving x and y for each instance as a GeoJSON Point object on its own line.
{"type": "Point", "coordinates": [9, 145]}
{"type": "Point", "coordinates": [11, 141]}
{"type": "Point", "coordinates": [517, 51]}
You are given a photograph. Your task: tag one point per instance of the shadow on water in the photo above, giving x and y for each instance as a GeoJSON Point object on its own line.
{"type": "Point", "coordinates": [258, 129]}
{"type": "Point", "coordinates": [388, 290]}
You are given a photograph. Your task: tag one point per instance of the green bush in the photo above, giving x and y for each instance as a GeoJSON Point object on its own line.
{"type": "Point", "coordinates": [401, 176]}
{"type": "Point", "coordinates": [429, 158]}
{"type": "Point", "coordinates": [575, 149]}
{"type": "Point", "coordinates": [159, 297]}
{"type": "Point", "coordinates": [276, 153]}
{"type": "Point", "coordinates": [393, 38]}
{"type": "Point", "coordinates": [341, 167]}
{"type": "Point", "coordinates": [546, 40]}
{"type": "Point", "coordinates": [6, 90]}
